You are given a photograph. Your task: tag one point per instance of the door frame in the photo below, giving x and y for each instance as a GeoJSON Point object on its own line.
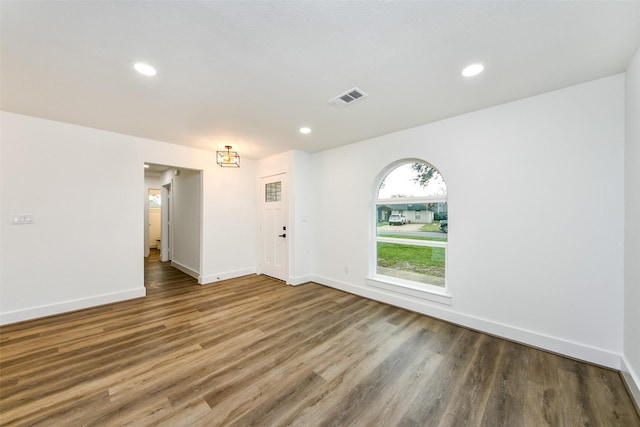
{"type": "Point", "coordinates": [166, 213]}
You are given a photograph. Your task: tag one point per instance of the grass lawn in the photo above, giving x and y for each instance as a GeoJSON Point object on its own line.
{"type": "Point", "coordinates": [434, 226]}
{"type": "Point", "coordinates": [417, 259]}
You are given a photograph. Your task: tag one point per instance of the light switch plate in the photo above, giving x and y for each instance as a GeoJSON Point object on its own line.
{"type": "Point", "coordinates": [21, 219]}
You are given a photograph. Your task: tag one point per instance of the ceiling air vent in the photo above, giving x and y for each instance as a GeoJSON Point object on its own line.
{"type": "Point", "coordinates": [348, 97]}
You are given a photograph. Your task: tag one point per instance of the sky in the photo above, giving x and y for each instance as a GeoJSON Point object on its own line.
{"type": "Point", "coordinates": [400, 181]}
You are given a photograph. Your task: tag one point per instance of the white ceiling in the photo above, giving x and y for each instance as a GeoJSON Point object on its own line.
{"type": "Point", "coordinates": [251, 73]}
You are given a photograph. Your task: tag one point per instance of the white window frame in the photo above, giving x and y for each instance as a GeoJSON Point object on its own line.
{"type": "Point", "coordinates": [406, 287]}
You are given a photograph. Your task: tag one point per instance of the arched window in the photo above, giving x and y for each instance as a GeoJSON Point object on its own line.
{"type": "Point", "coordinates": [412, 226]}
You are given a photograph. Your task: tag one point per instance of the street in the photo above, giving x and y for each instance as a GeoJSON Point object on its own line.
{"type": "Point", "coordinates": [409, 230]}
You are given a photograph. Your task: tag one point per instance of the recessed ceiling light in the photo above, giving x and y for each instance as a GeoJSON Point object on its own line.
{"type": "Point", "coordinates": [305, 130]}
{"type": "Point", "coordinates": [472, 70]}
{"type": "Point", "coordinates": [145, 69]}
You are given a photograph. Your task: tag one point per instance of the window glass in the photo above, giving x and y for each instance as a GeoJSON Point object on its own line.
{"type": "Point", "coordinates": [273, 192]}
{"type": "Point", "coordinates": [422, 264]}
{"type": "Point", "coordinates": [154, 199]}
{"type": "Point", "coordinates": [417, 179]}
{"type": "Point", "coordinates": [412, 225]}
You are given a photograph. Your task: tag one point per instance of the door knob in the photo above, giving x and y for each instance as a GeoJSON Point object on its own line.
{"type": "Point", "coordinates": [282, 235]}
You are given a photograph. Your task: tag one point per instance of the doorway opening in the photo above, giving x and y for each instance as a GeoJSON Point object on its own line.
{"type": "Point", "coordinates": [173, 217]}
{"type": "Point", "coordinates": [155, 220]}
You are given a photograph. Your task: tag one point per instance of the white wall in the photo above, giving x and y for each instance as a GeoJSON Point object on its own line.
{"type": "Point", "coordinates": [186, 221]}
{"type": "Point", "coordinates": [63, 174]}
{"type": "Point", "coordinates": [631, 365]}
{"type": "Point", "coordinates": [229, 233]}
{"type": "Point", "coordinates": [535, 196]}
{"type": "Point", "coordinates": [70, 179]}
{"type": "Point", "coordinates": [303, 219]}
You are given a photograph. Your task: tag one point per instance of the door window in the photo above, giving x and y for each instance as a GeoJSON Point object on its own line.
{"type": "Point", "coordinates": [273, 192]}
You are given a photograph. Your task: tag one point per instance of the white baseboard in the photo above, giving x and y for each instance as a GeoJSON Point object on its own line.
{"type": "Point", "coordinates": [631, 380]}
{"type": "Point", "coordinates": [185, 269]}
{"type": "Point", "coordinates": [66, 306]}
{"type": "Point", "coordinates": [301, 280]}
{"type": "Point", "coordinates": [212, 278]}
{"type": "Point", "coordinates": [553, 344]}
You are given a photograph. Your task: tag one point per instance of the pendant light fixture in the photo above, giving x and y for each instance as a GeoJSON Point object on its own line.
{"type": "Point", "coordinates": [228, 159]}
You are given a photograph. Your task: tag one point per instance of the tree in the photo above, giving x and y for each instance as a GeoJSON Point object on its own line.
{"type": "Point", "coordinates": [424, 173]}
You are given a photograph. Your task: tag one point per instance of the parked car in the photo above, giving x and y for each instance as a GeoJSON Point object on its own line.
{"type": "Point", "coordinates": [444, 225]}
{"type": "Point", "coordinates": [397, 219]}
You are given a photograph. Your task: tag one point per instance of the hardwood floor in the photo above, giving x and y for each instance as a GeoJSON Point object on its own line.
{"type": "Point", "coordinates": [253, 351]}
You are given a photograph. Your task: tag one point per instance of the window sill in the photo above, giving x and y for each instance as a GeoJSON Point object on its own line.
{"type": "Point", "coordinates": [426, 292]}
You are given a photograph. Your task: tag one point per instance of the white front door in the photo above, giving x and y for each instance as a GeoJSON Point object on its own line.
{"type": "Point", "coordinates": [274, 247]}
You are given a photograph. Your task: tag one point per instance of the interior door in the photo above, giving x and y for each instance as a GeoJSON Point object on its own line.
{"type": "Point", "coordinates": [274, 253]}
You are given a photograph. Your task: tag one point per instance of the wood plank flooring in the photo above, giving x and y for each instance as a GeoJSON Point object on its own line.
{"type": "Point", "coordinates": [253, 351]}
